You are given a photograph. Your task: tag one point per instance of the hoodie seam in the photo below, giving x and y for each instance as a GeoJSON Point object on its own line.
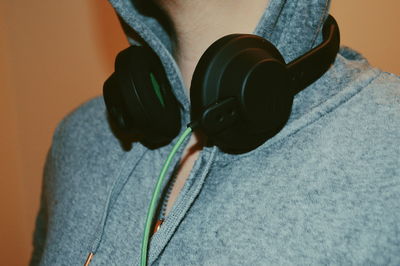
{"type": "Point", "coordinates": [262, 31]}
{"type": "Point", "coordinates": [322, 19]}
{"type": "Point", "coordinates": [287, 22]}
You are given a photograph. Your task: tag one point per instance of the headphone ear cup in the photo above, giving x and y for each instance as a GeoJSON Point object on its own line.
{"type": "Point", "coordinates": [241, 95]}
{"type": "Point", "coordinates": [199, 95]}
{"type": "Point", "coordinates": [139, 98]}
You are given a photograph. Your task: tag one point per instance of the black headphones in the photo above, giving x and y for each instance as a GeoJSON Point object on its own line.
{"type": "Point", "coordinates": [241, 92]}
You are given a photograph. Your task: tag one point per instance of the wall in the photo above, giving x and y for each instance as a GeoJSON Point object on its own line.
{"type": "Point", "coordinates": [54, 55]}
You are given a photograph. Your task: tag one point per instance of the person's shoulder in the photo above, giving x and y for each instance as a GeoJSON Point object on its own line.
{"type": "Point", "coordinates": [83, 123]}
{"type": "Point", "coordinates": [380, 98]}
{"type": "Point", "coordinates": [385, 90]}
{"type": "Point", "coordinates": [81, 167]}
{"type": "Point", "coordinates": [84, 146]}
{"type": "Point", "coordinates": [375, 92]}
{"type": "Point", "coordinates": [366, 123]}
{"type": "Point", "coordinates": [356, 65]}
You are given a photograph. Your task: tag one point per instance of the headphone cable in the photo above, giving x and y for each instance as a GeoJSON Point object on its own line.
{"type": "Point", "coordinates": [153, 203]}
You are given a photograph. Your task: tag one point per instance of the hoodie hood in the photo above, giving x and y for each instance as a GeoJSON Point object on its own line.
{"type": "Point", "coordinates": [293, 26]}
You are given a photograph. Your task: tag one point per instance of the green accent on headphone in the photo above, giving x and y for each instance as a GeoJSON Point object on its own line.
{"type": "Point", "coordinates": [156, 88]}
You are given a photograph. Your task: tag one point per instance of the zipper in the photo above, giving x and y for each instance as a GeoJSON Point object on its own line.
{"type": "Point", "coordinates": [165, 198]}
{"type": "Point", "coordinates": [187, 196]}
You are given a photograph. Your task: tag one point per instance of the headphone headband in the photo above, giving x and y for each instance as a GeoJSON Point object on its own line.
{"type": "Point", "coordinates": [307, 68]}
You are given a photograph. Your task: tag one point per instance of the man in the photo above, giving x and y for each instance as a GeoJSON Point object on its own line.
{"type": "Point", "coordinates": [324, 190]}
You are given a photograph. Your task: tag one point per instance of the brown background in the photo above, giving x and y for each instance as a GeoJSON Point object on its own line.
{"type": "Point", "coordinates": [54, 55]}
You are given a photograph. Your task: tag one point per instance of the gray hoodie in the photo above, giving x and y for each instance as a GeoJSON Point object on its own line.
{"type": "Point", "coordinates": [324, 190]}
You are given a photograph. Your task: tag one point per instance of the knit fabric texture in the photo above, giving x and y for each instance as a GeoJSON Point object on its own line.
{"type": "Point", "coordinates": [324, 191]}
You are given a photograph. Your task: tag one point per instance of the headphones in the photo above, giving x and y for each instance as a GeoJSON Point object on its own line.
{"type": "Point", "coordinates": [241, 92]}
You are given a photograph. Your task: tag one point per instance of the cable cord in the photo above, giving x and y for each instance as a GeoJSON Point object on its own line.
{"type": "Point", "coordinates": [153, 203]}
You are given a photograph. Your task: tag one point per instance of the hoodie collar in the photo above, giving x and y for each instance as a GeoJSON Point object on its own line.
{"type": "Point", "coordinates": [293, 26]}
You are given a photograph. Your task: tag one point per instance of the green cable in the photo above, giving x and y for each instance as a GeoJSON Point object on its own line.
{"type": "Point", "coordinates": [156, 193]}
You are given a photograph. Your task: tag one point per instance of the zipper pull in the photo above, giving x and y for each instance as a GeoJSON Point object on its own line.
{"type": "Point", "coordinates": [89, 259]}
{"type": "Point", "coordinates": [157, 226]}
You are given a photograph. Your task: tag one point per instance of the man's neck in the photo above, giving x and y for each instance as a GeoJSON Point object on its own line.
{"type": "Point", "coordinates": [199, 23]}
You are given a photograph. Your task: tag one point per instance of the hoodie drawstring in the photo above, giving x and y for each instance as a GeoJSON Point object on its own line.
{"type": "Point", "coordinates": [122, 178]}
